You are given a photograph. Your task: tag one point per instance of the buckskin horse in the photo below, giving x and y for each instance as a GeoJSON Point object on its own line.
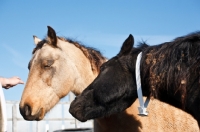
{"type": "Point", "coordinates": [59, 65]}
{"type": "Point", "coordinates": [170, 72]}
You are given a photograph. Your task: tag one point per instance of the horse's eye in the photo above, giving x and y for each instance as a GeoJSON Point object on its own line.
{"type": "Point", "coordinates": [29, 64]}
{"type": "Point", "coordinates": [102, 68]}
{"type": "Point", "coordinates": [48, 63]}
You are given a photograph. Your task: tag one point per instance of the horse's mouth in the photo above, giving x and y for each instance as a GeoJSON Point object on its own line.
{"type": "Point", "coordinates": [34, 117]}
{"type": "Point", "coordinates": [77, 114]}
{"type": "Point", "coordinates": [27, 116]}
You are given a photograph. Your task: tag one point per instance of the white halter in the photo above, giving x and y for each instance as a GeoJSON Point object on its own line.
{"type": "Point", "coordinates": [142, 108]}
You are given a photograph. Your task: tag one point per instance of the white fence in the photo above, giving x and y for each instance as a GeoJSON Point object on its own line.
{"type": "Point", "coordinates": [58, 118]}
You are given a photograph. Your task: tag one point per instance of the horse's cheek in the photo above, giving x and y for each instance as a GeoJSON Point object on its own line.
{"type": "Point", "coordinates": [47, 77]}
{"type": "Point", "coordinates": [48, 81]}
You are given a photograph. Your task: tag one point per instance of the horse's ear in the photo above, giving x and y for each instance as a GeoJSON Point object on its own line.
{"type": "Point", "coordinates": [36, 39]}
{"type": "Point", "coordinates": [52, 36]}
{"type": "Point", "coordinates": [127, 45]}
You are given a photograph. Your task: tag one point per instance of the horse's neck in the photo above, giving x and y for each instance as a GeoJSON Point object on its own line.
{"type": "Point", "coordinates": [153, 84]}
{"type": "Point", "coordinates": [83, 75]}
{"type": "Point", "coordinates": [164, 114]}
{"type": "Point", "coordinates": [123, 121]}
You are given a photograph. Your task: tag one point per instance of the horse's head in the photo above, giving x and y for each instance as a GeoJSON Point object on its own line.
{"type": "Point", "coordinates": [56, 68]}
{"type": "Point", "coordinates": [113, 90]}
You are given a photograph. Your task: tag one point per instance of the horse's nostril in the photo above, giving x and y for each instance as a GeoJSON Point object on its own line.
{"type": "Point", "coordinates": [27, 110]}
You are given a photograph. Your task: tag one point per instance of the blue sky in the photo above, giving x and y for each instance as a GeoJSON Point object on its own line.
{"type": "Point", "coordinates": [100, 24]}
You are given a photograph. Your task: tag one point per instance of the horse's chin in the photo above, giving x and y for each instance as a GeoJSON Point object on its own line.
{"type": "Point", "coordinates": [33, 119]}
{"type": "Point", "coordinates": [81, 119]}
{"type": "Point", "coordinates": [78, 117]}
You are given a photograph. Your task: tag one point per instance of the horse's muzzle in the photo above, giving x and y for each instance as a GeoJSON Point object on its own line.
{"type": "Point", "coordinates": [76, 111]}
{"type": "Point", "coordinates": [26, 113]}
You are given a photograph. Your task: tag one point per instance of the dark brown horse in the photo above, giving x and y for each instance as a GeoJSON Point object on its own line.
{"type": "Point", "coordinates": [169, 72]}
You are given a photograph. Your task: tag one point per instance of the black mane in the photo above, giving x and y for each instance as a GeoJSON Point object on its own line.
{"type": "Point", "coordinates": [172, 67]}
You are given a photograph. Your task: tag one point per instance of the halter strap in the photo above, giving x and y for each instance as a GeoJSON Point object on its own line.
{"type": "Point", "coordinates": [142, 107]}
